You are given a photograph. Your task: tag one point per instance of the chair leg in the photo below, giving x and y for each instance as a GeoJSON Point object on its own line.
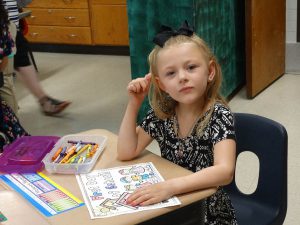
{"type": "Point", "coordinates": [33, 60]}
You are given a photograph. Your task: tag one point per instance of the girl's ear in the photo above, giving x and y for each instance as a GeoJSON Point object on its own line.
{"type": "Point", "coordinates": [160, 85]}
{"type": "Point", "coordinates": [211, 70]}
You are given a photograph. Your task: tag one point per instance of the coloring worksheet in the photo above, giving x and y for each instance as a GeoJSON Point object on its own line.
{"type": "Point", "coordinates": [105, 191]}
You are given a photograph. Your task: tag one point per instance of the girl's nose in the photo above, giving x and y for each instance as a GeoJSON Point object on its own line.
{"type": "Point", "coordinates": [182, 75]}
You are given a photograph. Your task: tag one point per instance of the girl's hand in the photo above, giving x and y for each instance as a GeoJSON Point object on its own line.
{"type": "Point", "coordinates": [138, 88]}
{"type": "Point", "coordinates": [151, 194]}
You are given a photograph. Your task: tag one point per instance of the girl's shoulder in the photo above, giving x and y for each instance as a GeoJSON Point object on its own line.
{"type": "Point", "coordinates": [150, 115]}
{"type": "Point", "coordinates": [221, 108]}
{"type": "Point", "coordinates": [222, 112]}
{"type": "Point", "coordinates": [152, 118]}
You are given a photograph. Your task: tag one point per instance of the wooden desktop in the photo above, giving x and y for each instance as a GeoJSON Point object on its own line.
{"type": "Point", "coordinates": [190, 202]}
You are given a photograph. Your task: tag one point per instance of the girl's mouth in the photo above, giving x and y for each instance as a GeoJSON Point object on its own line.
{"type": "Point", "coordinates": [185, 89]}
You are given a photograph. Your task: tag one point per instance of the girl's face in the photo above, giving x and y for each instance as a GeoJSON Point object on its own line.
{"type": "Point", "coordinates": [183, 73]}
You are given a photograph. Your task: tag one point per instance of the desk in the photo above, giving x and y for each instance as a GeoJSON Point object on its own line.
{"type": "Point", "coordinates": [108, 159]}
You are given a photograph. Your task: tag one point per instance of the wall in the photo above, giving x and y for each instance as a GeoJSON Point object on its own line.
{"type": "Point", "coordinates": [292, 47]}
{"type": "Point", "coordinates": [291, 21]}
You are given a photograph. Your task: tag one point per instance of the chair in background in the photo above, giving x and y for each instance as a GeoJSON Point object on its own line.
{"type": "Point", "coordinates": [267, 139]}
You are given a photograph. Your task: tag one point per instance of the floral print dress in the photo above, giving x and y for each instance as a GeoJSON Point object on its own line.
{"type": "Point", "coordinates": [10, 126]}
{"type": "Point", "coordinates": [195, 152]}
{"type": "Point", "coordinates": [6, 44]}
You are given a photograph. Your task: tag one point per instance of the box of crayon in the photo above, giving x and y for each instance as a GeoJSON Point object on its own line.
{"type": "Point", "coordinates": [75, 154]}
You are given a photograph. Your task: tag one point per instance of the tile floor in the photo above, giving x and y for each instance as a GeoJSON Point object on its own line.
{"type": "Point", "coordinates": [96, 86]}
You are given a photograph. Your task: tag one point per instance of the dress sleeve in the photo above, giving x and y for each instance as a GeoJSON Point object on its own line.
{"type": "Point", "coordinates": [152, 125]}
{"type": "Point", "coordinates": [222, 125]}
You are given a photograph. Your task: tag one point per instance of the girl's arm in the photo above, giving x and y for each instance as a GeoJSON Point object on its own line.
{"type": "Point", "coordinates": [221, 173]}
{"type": "Point", "coordinates": [132, 140]}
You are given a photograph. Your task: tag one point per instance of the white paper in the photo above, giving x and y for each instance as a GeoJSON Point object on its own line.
{"type": "Point", "coordinates": [105, 190]}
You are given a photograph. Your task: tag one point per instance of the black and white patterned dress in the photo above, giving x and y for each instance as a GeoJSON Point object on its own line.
{"type": "Point", "coordinates": [197, 153]}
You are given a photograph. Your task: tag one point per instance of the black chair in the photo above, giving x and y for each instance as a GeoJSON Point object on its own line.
{"type": "Point", "coordinates": [268, 140]}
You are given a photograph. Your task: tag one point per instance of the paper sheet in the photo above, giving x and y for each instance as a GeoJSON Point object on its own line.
{"type": "Point", "coordinates": [105, 191]}
{"type": "Point", "coordinates": [44, 194]}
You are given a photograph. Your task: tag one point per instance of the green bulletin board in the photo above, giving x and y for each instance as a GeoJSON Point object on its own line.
{"type": "Point", "coordinates": [219, 22]}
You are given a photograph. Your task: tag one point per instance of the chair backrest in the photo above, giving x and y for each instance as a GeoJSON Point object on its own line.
{"type": "Point", "coordinates": [267, 139]}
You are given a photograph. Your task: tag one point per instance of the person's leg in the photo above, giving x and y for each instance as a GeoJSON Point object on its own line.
{"type": "Point", "coordinates": [50, 106]}
{"type": "Point", "coordinates": [29, 76]}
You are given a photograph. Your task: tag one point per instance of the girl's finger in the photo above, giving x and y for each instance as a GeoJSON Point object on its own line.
{"type": "Point", "coordinates": [148, 76]}
{"type": "Point", "coordinates": [131, 88]}
{"type": "Point", "coordinates": [144, 85]}
{"type": "Point", "coordinates": [148, 202]}
{"type": "Point", "coordinates": [140, 200]}
{"type": "Point", "coordinates": [139, 84]}
{"type": "Point", "coordinates": [138, 87]}
{"type": "Point", "coordinates": [136, 194]}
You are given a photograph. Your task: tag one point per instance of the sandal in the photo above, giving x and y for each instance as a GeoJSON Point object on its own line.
{"type": "Point", "coordinates": [51, 106]}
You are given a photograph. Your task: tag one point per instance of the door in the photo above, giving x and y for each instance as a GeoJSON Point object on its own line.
{"type": "Point", "coordinates": [265, 43]}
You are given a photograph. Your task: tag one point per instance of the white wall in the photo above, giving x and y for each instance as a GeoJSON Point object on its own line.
{"type": "Point", "coordinates": [291, 21]}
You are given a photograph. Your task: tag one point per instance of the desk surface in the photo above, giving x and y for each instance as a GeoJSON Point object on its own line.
{"type": "Point", "coordinates": [108, 159]}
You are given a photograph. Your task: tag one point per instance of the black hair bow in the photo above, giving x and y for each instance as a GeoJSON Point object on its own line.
{"type": "Point", "coordinates": [166, 32]}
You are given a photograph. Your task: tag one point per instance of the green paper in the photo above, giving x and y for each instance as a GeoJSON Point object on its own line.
{"type": "Point", "coordinates": [2, 217]}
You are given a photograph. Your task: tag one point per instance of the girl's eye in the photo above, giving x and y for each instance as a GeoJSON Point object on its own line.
{"type": "Point", "coordinates": [170, 73]}
{"type": "Point", "coordinates": [191, 67]}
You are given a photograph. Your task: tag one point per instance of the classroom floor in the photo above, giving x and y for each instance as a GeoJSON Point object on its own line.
{"type": "Point", "coordinates": [96, 85]}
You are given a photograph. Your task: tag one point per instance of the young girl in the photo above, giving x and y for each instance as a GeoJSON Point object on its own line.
{"type": "Point", "coordinates": [10, 128]}
{"type": "Point", "coordinates": [190, 121]}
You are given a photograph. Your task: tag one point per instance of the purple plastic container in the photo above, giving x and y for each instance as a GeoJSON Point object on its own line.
{"type": "Point", "coordinates": [25, 155]}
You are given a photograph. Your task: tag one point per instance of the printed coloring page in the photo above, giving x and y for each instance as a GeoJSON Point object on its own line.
{"type": "Point", "coordinates": [105, 191]}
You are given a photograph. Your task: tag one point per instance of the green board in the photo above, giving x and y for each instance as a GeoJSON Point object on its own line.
{"type": "Point", "coordinates": [219, 22]}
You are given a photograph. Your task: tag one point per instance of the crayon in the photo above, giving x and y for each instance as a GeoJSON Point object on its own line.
{"type": "Point", "coordinates": [94, 150]}
{"type": "Point", "coordinates": [57, 153]}
{"type": "Point", "coordinates": [61, 155]}
{"type": "Point", "coordinates": [76, 160]}
{"type": "Point", "coordinates": [79, 152]}
{"type": "Point", "coordinates": [72, 160]}
{"type": "Point", "coordinates": [80, 159]}
{"type": "Point", "coordinates": [69, 154]}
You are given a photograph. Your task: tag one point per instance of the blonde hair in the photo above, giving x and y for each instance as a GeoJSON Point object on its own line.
{"type": "Point", "coordinates": [162, 104]}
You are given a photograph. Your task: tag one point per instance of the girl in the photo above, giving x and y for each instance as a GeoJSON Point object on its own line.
{"type": "Point", "coordinates": [190, 121]}
{"type": "Point", "coordinates": [10, 128]}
